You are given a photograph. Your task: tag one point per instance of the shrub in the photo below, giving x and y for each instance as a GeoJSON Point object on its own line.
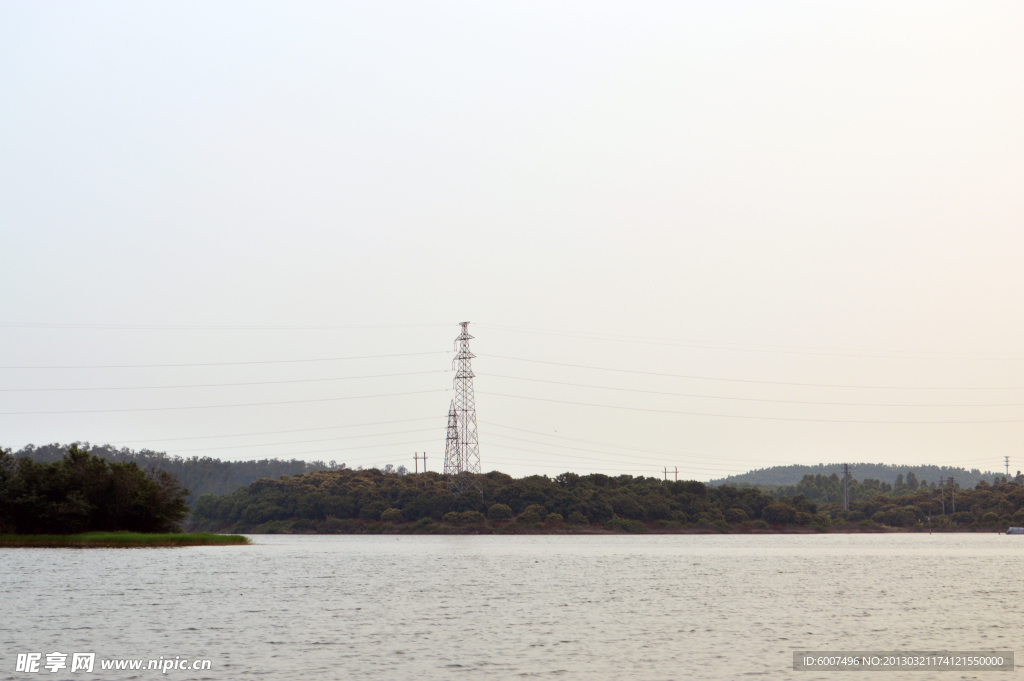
{"type": "Point", "coordinates": [722, 526]}
{"type": "Point", "coordinates": [962, 518]}
{"type": "Point", "coordinates": [736, 515]}
{"type": "Point", "coordinates": [471, 518]}
{"type": "Point", "coordinates": [529, 517]}
{"type": "Point", "coordinates": [273, 527]}
{"type": "Point", "coordinates": [779, 514]}
{"type": "Point", "coordinates": [577, 518]}
{"type": "Point", "coordinates": [392, 515]}
{"type": "Point", "coordinates": [760, 524]}
{"type": "Point", "coordinates": [372, 510]}
{"type": "Point", "coordinates": [991, 519]}
{"type": "Point", "coordinates": [1018, 517]}
{"type": "Point", "coordinates": [451, 517]}
{"type": "Point", "coordinates": [854, 517]}
{"type": "Point", "coordinates": [499, 512]}
{"type": "Point", "coordinates": [904, 516]}
{"type": "Point", "coordinates": [553, 518]}
{"type": "Point", "coordinates": [625, 525]}
{"type": "Point", "coordinates": [532, 514]}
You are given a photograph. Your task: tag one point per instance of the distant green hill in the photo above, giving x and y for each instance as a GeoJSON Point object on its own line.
{"type": "Point", "coordinates": [791, 475]}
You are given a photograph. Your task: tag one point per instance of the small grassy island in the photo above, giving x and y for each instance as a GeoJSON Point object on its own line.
{"type": "Point", "coordinates": [119, 540]}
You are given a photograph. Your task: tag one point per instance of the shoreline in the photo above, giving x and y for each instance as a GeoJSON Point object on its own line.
{"type": "Point", "coordinates": [560, 529]}
{"type": "Point", "coordinates": [119, 540]}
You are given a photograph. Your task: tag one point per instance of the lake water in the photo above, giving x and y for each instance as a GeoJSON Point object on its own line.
{"type": "Point", "coordinates": [482, 607]}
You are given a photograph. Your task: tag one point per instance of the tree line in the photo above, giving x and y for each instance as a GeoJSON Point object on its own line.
{"type": "Point", "coordinates": [774, 476]}
{"type": "Point", "coordinates": [200, 475]}
{"type": "Point", "coordinates": [82, 492]}
{"type": "Point", "coordinates": [910, 501]}
{"type": "Point", "coordinates": [349, 500]}
{"type": "Point", "coordinates": [312, 501]}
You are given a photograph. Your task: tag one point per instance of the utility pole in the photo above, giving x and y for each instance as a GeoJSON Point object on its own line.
{"type": "Point", "coordinates": [462, 445]}
{"type": "Point", "coordinates": [677, 473]}
{"type": "Point", "coordinates": [952, 491]}
{"type": "Point", "coordinates": [417, 457]}
{"type": "Point", "coordinates": [942, 496]}
{"type": "Point", "coordinates": [665, 472]}
{"type": "Point", "coordinates": [1007, 466]}
{"type": "Point", "coordinates": [846, 487]}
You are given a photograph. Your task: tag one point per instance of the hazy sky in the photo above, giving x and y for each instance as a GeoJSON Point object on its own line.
{"type": "Point", "coordinates": [773, 194]}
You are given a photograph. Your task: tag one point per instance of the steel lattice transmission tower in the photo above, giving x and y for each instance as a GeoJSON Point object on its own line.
{"type": "Point", "coordinates": [462, 446]}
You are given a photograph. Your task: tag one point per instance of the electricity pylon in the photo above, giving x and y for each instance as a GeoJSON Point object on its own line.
{"type": "Point", "coordinates": [462, 446]}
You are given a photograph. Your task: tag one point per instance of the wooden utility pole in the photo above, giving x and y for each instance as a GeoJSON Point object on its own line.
{"type": "Point", "coordinates": [677, 473]}
{"type": "Point", "coordinates": [417, 457]}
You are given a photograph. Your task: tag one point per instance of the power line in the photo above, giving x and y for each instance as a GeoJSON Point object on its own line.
{"type": "Point", "coordinates": [220, 406]}
{"type": "Point", "coordinates": [222, 385]}
{"type": "Point", "coordinates": [226, 364]}
{"type": "Point", "coordinates": [537, 464]}
{"type": "Point", "coordinates": [271, 432]}
{"type": "Point", "coordinates": [633, 464]}
{"type": "Point", "coordinates": [740, 380]}
{"type": "Point", "coordinates": [214, 327]}
{"type": "Point", "coordinates": [659, 452]}
{"type": "Point", "coordinates": [352, 449]}
{"type": "Point", "coordinates": [734, 416]}
{"type": "Point", "coordinates": [746, 399]}
{"type": "Point", "coordinates": [750, 347]}
{"type": "Point", "coordinates": [579, 449]}
{"type": "Point", "coordinates": [299, 442]}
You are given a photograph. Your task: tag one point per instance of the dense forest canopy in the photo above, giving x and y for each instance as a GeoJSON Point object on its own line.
{"type": "Point", "coordinates": [884, 473]}
{"type": "Point", "coordinates": [200, 475]}
{"type": "Point", "coordinates": [85, 493]}
{"type": "Point", "coordinates": [348, 500]}
{"type": "Point", "coordinates": [347, 494]}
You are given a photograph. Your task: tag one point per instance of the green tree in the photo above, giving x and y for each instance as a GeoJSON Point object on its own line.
{"type": "Point", "coordinates": [499, 512]}
{"type": "Point", "coordinates": [779, 514]}
{"type": "Point", "coordinates": [82, 493]}
{"type": "Point", "coordinates": [736, 515]}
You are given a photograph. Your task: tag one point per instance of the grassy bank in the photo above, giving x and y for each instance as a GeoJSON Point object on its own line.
{"type": "Point", "coordinates": [118, 540]}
